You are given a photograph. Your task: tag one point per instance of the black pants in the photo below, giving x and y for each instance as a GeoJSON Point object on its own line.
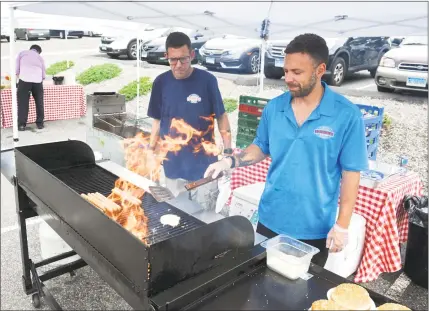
{"type": "Point", "coordinates": [318, 259]}
{"type": "Point", "coordinates": [24, 89]}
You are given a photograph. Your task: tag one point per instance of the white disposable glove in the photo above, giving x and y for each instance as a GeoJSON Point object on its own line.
{"type": "Point", "coordinates": [214, 169]}
{"type": "Point", "coordinates": [337, 239]}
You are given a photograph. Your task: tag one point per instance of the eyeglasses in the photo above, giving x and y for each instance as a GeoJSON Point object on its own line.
{"type": "Point", "coordinates": [183, 60]}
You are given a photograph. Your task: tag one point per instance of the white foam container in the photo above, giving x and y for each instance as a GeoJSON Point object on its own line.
{"type": "Point", "coordinates": [289, 257]}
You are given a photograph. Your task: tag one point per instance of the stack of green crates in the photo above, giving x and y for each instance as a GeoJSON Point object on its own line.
{"type": "Point", "coordinates": [250, 111]}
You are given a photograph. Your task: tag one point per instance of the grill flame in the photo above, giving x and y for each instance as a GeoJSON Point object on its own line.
{"type": "Point", "coordinates": [123, 204]}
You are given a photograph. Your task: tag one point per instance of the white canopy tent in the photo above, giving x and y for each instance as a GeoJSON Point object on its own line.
{"type": "Point", "coordinates": [244, 18]}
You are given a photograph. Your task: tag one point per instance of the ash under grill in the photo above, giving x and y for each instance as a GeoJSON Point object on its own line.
{"type": "Point", "coordinates": [92, 178]}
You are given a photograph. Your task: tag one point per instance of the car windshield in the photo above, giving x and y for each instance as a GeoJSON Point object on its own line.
{"type": "Point", "coordinates": [420, 40]}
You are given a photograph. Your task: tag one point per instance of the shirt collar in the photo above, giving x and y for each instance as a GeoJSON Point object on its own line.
{"type": "Point", "coordinates": [326, 106]}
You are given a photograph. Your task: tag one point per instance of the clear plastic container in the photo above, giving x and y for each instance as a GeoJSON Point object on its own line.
{"type": "Point", "coordinates": [289, 257]}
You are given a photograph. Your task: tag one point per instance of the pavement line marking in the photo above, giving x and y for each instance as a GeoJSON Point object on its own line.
{"type": "Point", "coordinates": [16, 227]}
{"type": "Point", "coordinates": [398, 287]}
{"type": "Point", "coordinates": [365, 86]}
{"type": "Point", "coordinates": [62, 53]}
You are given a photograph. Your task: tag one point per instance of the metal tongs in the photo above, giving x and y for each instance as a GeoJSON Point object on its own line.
{"type": "Point", "coordinates": [162, 194]}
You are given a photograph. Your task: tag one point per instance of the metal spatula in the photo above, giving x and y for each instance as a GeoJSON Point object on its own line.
{"type": "Point", "coordinates": [162, 194]}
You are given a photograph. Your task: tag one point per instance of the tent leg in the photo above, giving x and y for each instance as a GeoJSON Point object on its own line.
{"type": "Point", "coordinates": [138, 76]}
{"type": "Point", "coordinates": [261, 73]}
{"type": "Point", "coordinates": [13, 75]}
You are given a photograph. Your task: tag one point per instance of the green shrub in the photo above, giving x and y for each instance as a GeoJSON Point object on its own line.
{"type": "Point", "coordinates": [98, 73]}
{"type": "Point", "coordinates": [58, 67]}
{"type": "Point", "coordinates": [130, 90]}
{"type": "Point", "coordinates": [387, 121]}
{"type": "Point", "coordinates": [230, 104]}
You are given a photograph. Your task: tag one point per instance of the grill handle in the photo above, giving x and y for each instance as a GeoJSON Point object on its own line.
{"type": "Point", "coordinates": [201, 182]}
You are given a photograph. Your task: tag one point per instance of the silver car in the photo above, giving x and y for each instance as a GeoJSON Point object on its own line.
{"type": "Point", "coordinates": [404, 68]}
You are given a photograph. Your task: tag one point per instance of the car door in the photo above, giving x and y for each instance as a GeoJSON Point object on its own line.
{"type": "Point", "coordinates": [373, 48]}
{"type": "Point", "coordinates": [356, 48]}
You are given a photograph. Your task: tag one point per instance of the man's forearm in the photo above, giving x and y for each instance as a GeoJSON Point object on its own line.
{"type": "Point", "coordinates": [349, 192]}
{"type": "Point", "coordinates": [224, 130]}
{"type": "Point", "coordinates": [251, 155]}
{"type": "Point", "coordinates": [154, 134]}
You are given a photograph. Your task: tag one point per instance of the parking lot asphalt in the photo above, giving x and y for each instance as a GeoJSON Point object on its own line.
{"type": "Point", "coordinates": [74, 48]}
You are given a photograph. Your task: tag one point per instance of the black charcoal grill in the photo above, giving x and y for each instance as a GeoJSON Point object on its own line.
{"type": "Point", "coordinates": [185, 262]}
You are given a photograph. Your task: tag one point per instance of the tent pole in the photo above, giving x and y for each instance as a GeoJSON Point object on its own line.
{"type": "Point", "coordinates": [261, 73]}
{"type": "Point", "coordinates": [138, 74]}
{"type": "Point", "coordinates": [66, 33]}
{"type": "Point", "coordinates": [13, 74]}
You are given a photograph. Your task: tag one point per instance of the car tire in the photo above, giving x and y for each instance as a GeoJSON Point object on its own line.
{"type": "Point", "coordinates": [48, 38]}
{"type": "Point", "coordinates": [384, 89]}
{"type": "Point", "coordinates": [270, 73]}
{"type": "Point", "coordinates": [373, 72]}
{"type": "Point", "coordinates": [132, 49]}
{"type": "Point", "coordinates": [80, 37]}
{"type": "Point", "coordinates": [338, 72]}
{"type": "Point", "coordinates": [8, 39]}
{"type": "Point", "coordinates": [253, 63]}
{"type": "Point", "coordinates": [114, 56]}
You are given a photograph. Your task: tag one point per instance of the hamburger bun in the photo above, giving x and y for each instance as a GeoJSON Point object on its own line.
{"type": "Point", "coordinates": [392, 306]}
{"type": "Point", "coordinates": [351, 297]}
{"type": "Point", "coordinates": [324, 304]}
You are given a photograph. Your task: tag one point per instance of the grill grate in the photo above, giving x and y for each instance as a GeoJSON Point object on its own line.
{"type": "Point", "coordinates": [92, 178]}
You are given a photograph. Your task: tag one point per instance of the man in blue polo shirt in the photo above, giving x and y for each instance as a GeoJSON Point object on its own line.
{"type": "Point", "coordinates": [192, 95]}
{"type": "Point", "coordinates": [316, 139]}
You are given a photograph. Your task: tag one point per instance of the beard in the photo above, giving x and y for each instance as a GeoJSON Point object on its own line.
{"type": "Point", "coordinates": [305, 89]}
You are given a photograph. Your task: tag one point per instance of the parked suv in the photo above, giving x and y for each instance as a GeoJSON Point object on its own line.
{"type": "Point", "coordinates": [404, 68]}
{"type": "Point", "coordinates": [346, 56]}
{"type": "Point", "coordinates": [126, 43]}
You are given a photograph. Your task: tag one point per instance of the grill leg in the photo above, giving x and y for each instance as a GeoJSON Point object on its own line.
{"type": "Point", "coordinates": [23, 208]}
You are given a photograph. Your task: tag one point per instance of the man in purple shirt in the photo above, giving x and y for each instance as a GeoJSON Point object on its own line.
{"type": "Point", "coordinates": [30, 72]}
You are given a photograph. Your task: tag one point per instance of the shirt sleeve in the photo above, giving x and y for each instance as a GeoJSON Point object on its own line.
{"type": "Point", "coordinates": [43, 68]}
{"type": "Point", "coordinates": [354, 155]}
{"type": "Point", "coordinates": [18, 64]}
{"type": "Point", "coordinates": [216, 98]}
{"type": "Point", "coordinates": [262, 140]}
{"type": "Point", "coordinates": [155, 103]}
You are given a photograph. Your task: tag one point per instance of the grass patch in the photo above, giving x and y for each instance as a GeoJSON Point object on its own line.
{"type": "Point", "coordinates": [99, 73]}
{"type": "Point", "coordinates": [130, 90]}
{"type": "Point", "coordinates": [58, 67]}
{"type": "Point", "coordinates": [230, 104]}
{"type": "Point", "coordinates": [387, 121]}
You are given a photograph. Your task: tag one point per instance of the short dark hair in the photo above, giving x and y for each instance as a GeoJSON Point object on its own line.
{"type": "Point", "coordinates": [310, 44]}
{"type": "Point", "coordinates": [37, 48]}
{"type": "Point", "coordinates": [176, 40]}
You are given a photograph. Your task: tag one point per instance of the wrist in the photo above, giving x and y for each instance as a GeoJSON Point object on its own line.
{"type": "Point", "coordinates": [340, 228]}
{"type": "Point", "coordinates": [229, 160]}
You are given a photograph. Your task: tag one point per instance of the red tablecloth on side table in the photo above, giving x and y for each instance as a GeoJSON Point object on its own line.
{"type": "Point", "coordinates": [386, 219]}
{"type": "Point", "coordinates": [61, 102]}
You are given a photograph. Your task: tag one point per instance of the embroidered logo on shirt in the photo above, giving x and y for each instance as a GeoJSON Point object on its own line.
{"type": "Point", "coordinates": [324, 132]}
{"type": "Point", "coordinates": [194, 98]}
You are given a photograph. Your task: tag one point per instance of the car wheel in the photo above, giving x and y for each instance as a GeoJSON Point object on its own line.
{"type": "Point", "coordinates": [373, 72]}
{"type": "Point", "coordinates": [338, 72]}
{"type": "Point", "coordinates": [384, 89]}
{"type": "Point", "coordinates": [48, 38]}
{"type": "Point", "coordinates": [132, 50]}
{"type": "Point", "coordinates": [114, 56]}
{"type": "Point", "coordinates": [8, 39]}
{"type": "Point", "coordinates": [270, 73]}
{"type": "Point", "coordinates": [253, 63]}
{"type": "Point", "coordinates": [80, 37]}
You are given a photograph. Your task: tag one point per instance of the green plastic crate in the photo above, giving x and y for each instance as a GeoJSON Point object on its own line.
{"type": "Point", "coordinates": [248, 123]}
{"type": "Point", "coordinates": [248, 116]}
{"type": "Point", "coordinates": [253, 101]}
{"type": "Point", "coordinates": [247, 131]}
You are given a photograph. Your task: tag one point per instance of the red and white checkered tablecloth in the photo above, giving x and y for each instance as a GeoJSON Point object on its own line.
{"type": "Point", "coordinates": [61, 102]}
{"type": "Point", "coordinates": [386, 219]}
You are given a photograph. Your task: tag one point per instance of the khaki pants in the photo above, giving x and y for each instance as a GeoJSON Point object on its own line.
{"type": "Point", "coordinates": [205, 195]}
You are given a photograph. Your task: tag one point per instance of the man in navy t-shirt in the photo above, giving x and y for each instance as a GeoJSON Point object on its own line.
{"type": "Point", "coordinates": [192, 95]}
{"type": "Point", "coordinates": [316, 140]}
